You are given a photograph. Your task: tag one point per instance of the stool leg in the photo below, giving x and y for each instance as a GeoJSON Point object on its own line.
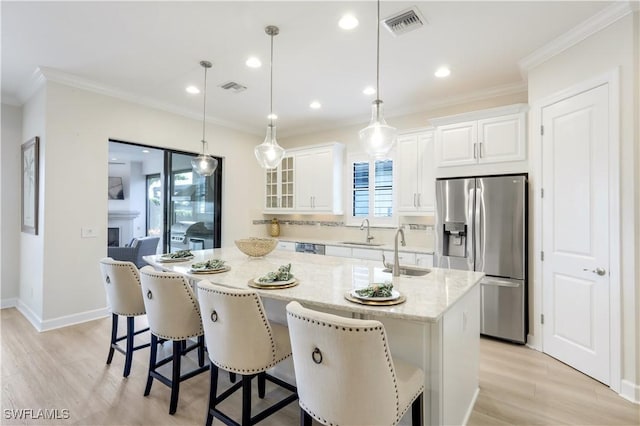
{"type": "Point", "coordinates": [114, 336]}
{"type": "Point", "coordinates": [417, 412]}
{"type": "Point", "coordinates": [232, 377]}
{"type": "Point", "coordinates": [201, 350]}
{"type": "Point", "coordinates": [128, 357]}
{"type": "Point", "coordinates": [213, 392]}
{"type": "Point", "coordinates": [152, 362]}
{"type": "Point", "coordinates": [246, 400]}
{"type": "Point", "coordinates": [261, 384]}
{"type": "Point", "coordinates": [305, 418]}
{"type": "Point", "coordinates": [175, 376]}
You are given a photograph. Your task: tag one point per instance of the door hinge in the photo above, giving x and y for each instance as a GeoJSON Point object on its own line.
{"type": "Point", "coordinates": [541, 255]}
{"type": "Point", "coordinates": [541, 318]}
{"type": "Point", "coordinates": [541, 130]}
{"type": "Point", "coordinates": [541, 192]}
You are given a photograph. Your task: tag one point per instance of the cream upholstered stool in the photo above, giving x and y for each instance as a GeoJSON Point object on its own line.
{"type": "Point", "coordinates": [345, 373]}
{"type": "Point", "coordinates": [173, 314]}
{"type": "Point", "coordinates": [122, 284]}
{"type": "Point", "coordinates": [241, 340]}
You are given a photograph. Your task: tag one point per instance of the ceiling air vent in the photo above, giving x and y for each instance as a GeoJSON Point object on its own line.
{"type": "Point", "coordinates": [234, 87]}
{"type": "Point", "coordinates": [404, 22]}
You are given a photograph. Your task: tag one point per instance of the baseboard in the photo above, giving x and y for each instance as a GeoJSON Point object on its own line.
{"type": "Point", "coordinates": [533, 343]}
{"type": "Point", "coordinates": [10, 302]}
{"type": "Point", "coordinates": [64, 321]}
{"type": "Point", "coordinates": [630, 391]}
{"type": "Point", "coordinates": [470, 409]}
{"type": "Point", "coordinates": [31, 316]}
{"type": "Point", "coordinates": [78, 318]}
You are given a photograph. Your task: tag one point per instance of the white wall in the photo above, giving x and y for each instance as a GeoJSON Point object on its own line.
{"type": "Point", "coordinates": [10, 155]}
{"type": "Point", "coordinates": [64, 271]}
{"type": "Point", "coordinates": [615, 46]}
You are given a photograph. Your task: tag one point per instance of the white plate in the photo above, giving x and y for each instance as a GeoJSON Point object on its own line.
{"type": "Point", "coordinates": [394, 295]}
{"type": "Point", "coordinates": [273, 283]}
{"type": "Point", "coordinates": [210, 271]}
{"type": "Point", "coordinates": [174, 259]}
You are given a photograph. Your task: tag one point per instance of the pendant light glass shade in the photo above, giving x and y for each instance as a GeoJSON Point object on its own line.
{"type": "Point", "coordinates": [378, 137]}
{"type": "Point", "coordinates": [269, 153]}
{"type": "Point", "coordinates": [204, 164]}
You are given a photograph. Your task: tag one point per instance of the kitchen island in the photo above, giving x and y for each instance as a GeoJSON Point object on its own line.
{"type": "Point", "coordinates": [436, 328]}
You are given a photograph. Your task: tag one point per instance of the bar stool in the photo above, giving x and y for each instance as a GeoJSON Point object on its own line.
{"type": "Point", "coordinates": [241, 340]}
{"type": "Point", "coordinates": [345, 373]}
{"type": "Point", "coordinates": [173, 315]}
{"type": "Point", "coordinates": [122, 284]}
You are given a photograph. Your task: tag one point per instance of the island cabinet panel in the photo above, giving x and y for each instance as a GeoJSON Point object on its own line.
{"type": "Point", "coordinates": [338, 251]}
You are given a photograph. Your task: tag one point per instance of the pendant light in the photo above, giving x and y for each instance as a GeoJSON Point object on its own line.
{"type": "Point", "coordinates": [269, 153]}
{"type": "Point", "coordinates": [204, 164]}
{"type": "Point", "coordinates": [378, 137]}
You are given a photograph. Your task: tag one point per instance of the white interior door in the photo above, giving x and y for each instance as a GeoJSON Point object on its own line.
{"type": "Point", "coordinates": [575, 240]}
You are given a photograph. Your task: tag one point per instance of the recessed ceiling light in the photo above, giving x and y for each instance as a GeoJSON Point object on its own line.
{"type": "Point", "coordinates": [193, 90]}
{"type": "Point", "coordinates": [442, 72]}
{"type": "Point", "coordinates": [315, 105]}
{"type": "Point", "coordinates": [348, 22]}
{"type": "Point", "coordinates": [272, 117]}
{"type": "Point", "coordinates": [145, 151]}
{"type": "Point", "coordinates": [369, 90]}
{"type": "Point", "coordinates": [253, 62]}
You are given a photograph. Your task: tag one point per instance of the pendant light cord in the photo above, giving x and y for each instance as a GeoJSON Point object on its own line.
{"type": "Point", "coordinates": [378, 54]}
{"type": "Point", "coordinates": [271, 85]}
{"type": "Point", "coordinates": [204, 109]}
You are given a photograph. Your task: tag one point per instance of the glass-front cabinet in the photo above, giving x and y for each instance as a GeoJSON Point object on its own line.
{"type": "Point", "coordinates": [280, 186]}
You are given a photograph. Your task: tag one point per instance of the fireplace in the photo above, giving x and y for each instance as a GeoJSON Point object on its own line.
{"type": "Point", "coordinates": [113, 237]}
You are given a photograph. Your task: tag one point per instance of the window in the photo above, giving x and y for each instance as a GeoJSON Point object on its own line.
{"type": "Point", "coordinates": [371, 192]}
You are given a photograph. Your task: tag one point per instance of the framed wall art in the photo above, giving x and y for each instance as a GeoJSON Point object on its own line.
{"type": "Point", "coordinates": [30, 180]}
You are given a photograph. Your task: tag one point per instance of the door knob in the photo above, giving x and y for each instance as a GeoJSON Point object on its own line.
{"type": "Point", "coordinates": [599, 271]}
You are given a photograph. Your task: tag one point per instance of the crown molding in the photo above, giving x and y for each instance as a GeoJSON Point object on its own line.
{"type": "Point", "coordinates": [479, 95]}
{"type": "Point", "coordinates": [592, 25]}
{"type": "Point", "coordinates": [60, 77]}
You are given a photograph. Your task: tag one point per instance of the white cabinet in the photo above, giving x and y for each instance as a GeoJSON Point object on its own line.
{"type": "Point", "coordinates": [318, 178]}
{"type": "Point", "coordinates": [286, 246]}
{"type": "Point", "coordinates": [279, 187]}
{"type": "Point", "coordinates": [424, 260]}
{"type": "Point", "coordinates": [338, 251]}
{"type": "Point", "coordinates": [369, 254]}
{"type": "Point", "coordinates": [404, 258]}
{"type": "Point", "coordinates": [489, 136]}
{"type": "Point", "coordinates": [416, 173]}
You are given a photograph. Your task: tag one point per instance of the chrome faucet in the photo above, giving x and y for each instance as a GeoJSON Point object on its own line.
{"type": "Point", "coordinates": [396, 260]}
{"type": "Point", "coordinates": [369, 237]}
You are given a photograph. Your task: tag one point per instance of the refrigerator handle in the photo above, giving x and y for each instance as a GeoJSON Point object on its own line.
{"type": "Point", "coordinates": [470, 233]}
{"type": "Point", "coordinates": [478, 230]}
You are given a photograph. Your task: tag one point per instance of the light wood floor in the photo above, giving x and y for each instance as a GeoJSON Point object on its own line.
{"type": "Point", "coordinates": [65, 369]}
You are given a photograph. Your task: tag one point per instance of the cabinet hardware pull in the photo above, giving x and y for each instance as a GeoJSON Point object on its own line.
{"type": "Point", "coordinates": [414, 200]}
{"type": "Point", "coordinates": [480, 150]}
{"type": "Point", "coordinates": [475, 150]}
{"type": "Point", "coordinates": [418, 199]}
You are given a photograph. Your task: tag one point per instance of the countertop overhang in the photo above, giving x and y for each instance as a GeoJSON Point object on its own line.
{"type": "Point", "coordinates": [324, 280]}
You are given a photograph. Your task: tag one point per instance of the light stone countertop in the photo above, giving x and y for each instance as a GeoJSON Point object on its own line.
{"type": "Point", "coordinates": [405, 249]}
{"type": "Point", "coordinates": [324, 280]}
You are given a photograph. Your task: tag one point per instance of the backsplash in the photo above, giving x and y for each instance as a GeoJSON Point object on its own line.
{"type": "Point", "coordinates": [416, 234]}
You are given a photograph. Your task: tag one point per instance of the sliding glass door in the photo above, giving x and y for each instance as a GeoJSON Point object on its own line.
{"type": "Point", "coordinates": [193, 205]}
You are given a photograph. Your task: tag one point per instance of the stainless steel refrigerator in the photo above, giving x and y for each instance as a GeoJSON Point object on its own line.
{"type": "Point", "coordinates": [481, 225]}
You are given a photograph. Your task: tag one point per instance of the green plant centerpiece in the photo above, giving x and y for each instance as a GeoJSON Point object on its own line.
{"type": "Point", "coordinates": [282, 274]}
{"type": "Point", "coordinates": [376, 290]}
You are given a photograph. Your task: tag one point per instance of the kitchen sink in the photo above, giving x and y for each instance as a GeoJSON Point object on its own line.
{"type": "Point", "coordinates": [411, 272]}
{"type": "Point", "coordinates": [360, 243]}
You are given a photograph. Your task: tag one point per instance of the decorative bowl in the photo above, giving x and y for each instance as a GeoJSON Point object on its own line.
{"type": "Point", "coordinates": [256, 247]}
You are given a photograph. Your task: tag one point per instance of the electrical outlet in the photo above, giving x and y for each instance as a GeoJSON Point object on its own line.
{"type": "Point", "coordinates": [88, 232]}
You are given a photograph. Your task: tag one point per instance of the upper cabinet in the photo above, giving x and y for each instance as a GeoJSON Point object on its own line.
{"type": "Point", "coordinates": [489, 136]}
{"type": "Point", "coordinates": [308, 180]}
{"type": "Point", "coordinates": [319, 179]}
{"type": "Point", "coordinates": [279, 187]}
{"type": "Point", "coordinates": [416, 173]}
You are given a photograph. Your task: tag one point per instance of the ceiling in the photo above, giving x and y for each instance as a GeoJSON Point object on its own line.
{"type": "Point", "coordinates": [150, 51]}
